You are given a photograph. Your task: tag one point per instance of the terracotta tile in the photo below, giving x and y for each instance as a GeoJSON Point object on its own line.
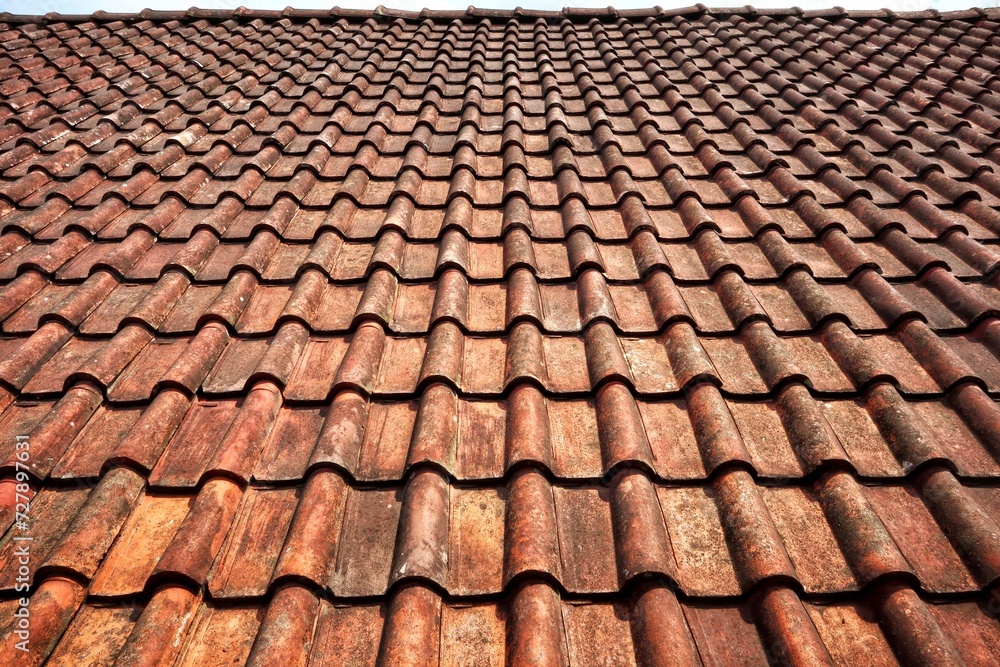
{"type": "Point", "coordinates": [585, 528]}
{"type": "Point", "coordinates": [487, 305]}
{"type": "Point", "coordinates": [985, 364]}
{"type": "Point", "coordinates": [559, 307]}
{"type": "Point", "coordinates": [576, 448]}
{"type": "Point", "coordinates": [234, 627]}
{"type": "Point", "coordinates": [413, 308]}
{"type": "Point", "coordinates": [861, 438]}
{"type": "Point", "coordinates": [585, 336]}
{"type": "Point", "coordinates": [397, 372]}
{"type": "Point", "coordinates": [143, 444]}
{"type": "Point", "coordinates": [199, 538]}
{"type": "Point", "coordinates": [307, 551]}
{"type": "Point", "coordinates": [974, 638]}
{"type": "Point", "coordinates": [92, 448]}
{"type": "Point", "coordinates": [818, 365]}
{"type": "Point", "coordinates": [51, 378]}
{"type": "Point", "coordinates": [472, 634]}
{"type": "Point", "coordinates": [233, 369]}
{"type": "Point", "coordinates": [738, 373]}
{"type": "Point", "coordinates": [765, 438]}
{"type": "Point", "coordinates": [291, 442]}
{"type": "Point", "coordinates": [848, 630]}
{"type": "Point", "coordinates": [244, 565]}
{"type": "Point", "coordinates": [597, 632]}
{"type": "Point", "coordinates": [565, 364]}
{"type": "Point", "coordinates": [671, 440]}
{"type": "Point", "coordinates": [187, 454]}
{"type": "Point", "coordinates": [412, 628]}
{"type": "Point", "coordinates": [150, 528]}
{"type": "Point", "coordinates": [25, 319]}
{"type": "Point", "coordinates": [953, 435]}
{"type": "Point", "coordinates": [420, 550]}
{"type": "Point", "coordinates": [649, 362]}
{"type": "Point", "coordinates": [912, 378]}
{"type": "Point", "coordinates": [918, 537]}
{"type": "Point", "coordinates": [240, 448]}
{"type": "Point", "coordinates": [53, 605]}
{"type": "Point", "coordinates": [20, 419]}
{"type": "Point", "coordinates": [808, 539]}
{"type": "Point", "coordinates": [263, 309]}
{"type": "Point", "coordinates": [287, 627]}
{"type": "Point", "coordinates": [481, 440]}
{"type": "Point", "coordinates": [365, 558]}
{"type": "Point", "coordinates": [387, 437]}
{"type": "Point", "coordinates": [190, 307]}
{"type": "Point", "coordinates": [346, 634]}
{"type": "Point", "coordinates": [707, 565]}
{"type": "Point", "coordinates": [88, 538]}
{"type": "Point", "coordinates": [99, 633]}
{"type": "Point", "coordinates": [476, 541]}
{"type": "Point", "coordinates": [314, 375]}
{"type": "Point", "coordinates": [53, 510]}
{"type": "Point", "coordinates": [719, 632]}
{"type": "Point", "coordinates": [152, 364]}
{"type": "Point", "coordinates": [483, 366]}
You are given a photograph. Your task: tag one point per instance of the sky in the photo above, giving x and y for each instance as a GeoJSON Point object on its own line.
{"type": "Point", "coordinates": [89, 6]}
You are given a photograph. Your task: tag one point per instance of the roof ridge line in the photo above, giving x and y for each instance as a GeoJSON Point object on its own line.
{"type": "Point", "coordinates": [486, 13]}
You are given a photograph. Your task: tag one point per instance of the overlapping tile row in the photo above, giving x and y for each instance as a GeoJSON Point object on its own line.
{"type": "Point", "coordinates": [298, 627]}
{"type": "Point", "coordinates": [830, 536]}
{"type": "Point", "coordinates": [135, 365]}
{"type": "Point", "coordinates": [206, 260]}
{"type": "Point", "coordinates": [537, 338]}
{"type": "Point", "coordinates": [482, 275]}
{"type": "Point", "coordinates": [480, 438]}
{"type": "Point", "coordinates": [884, 389]}
{"type": "Point", "coordinates": [273, 558]}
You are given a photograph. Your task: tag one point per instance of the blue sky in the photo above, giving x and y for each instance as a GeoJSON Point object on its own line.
{"type": "Point", "coordinates": [88, 6]}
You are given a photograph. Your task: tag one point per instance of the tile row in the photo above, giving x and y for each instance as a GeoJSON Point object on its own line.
{"type": "Point", "coordinates": [135, 364]}
{"type": "Point", "coordinates": [175, 305]}
{"type": "Point", "coordinates": [141, 256]}
{"type": "Point", "coordinates": [181, 441]}
{"type": "Point", "coordinates": [114, 220]}
{"type": "Point", "coordinates": [198, 189]}
{"type": "Point", "coordinates": [533, 623]}
{"type": "Point", "coordinates": [789, 57]}
{"type": "Point", "coordinates": [498, 155]}
{"type": "Point", "coordinates": [488, 150]}
{"type": "Point", "coordinates": [201, 116]}
{"type": "Point", "coordinates": [723, 539]}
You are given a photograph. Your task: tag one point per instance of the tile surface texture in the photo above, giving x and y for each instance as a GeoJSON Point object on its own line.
{"type": "Point", "coordinates": [479, 338]}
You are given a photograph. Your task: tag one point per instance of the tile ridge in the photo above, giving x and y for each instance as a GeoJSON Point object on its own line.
{"type": "Point", "coordinates": [473, 12]}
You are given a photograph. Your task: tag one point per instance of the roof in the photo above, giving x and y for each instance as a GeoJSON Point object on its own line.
{"type": "Point", "coordinates": [581, 338]}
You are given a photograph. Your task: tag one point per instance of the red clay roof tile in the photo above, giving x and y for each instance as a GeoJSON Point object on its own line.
{"type": "Point", "coordinates": [536, 337]}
